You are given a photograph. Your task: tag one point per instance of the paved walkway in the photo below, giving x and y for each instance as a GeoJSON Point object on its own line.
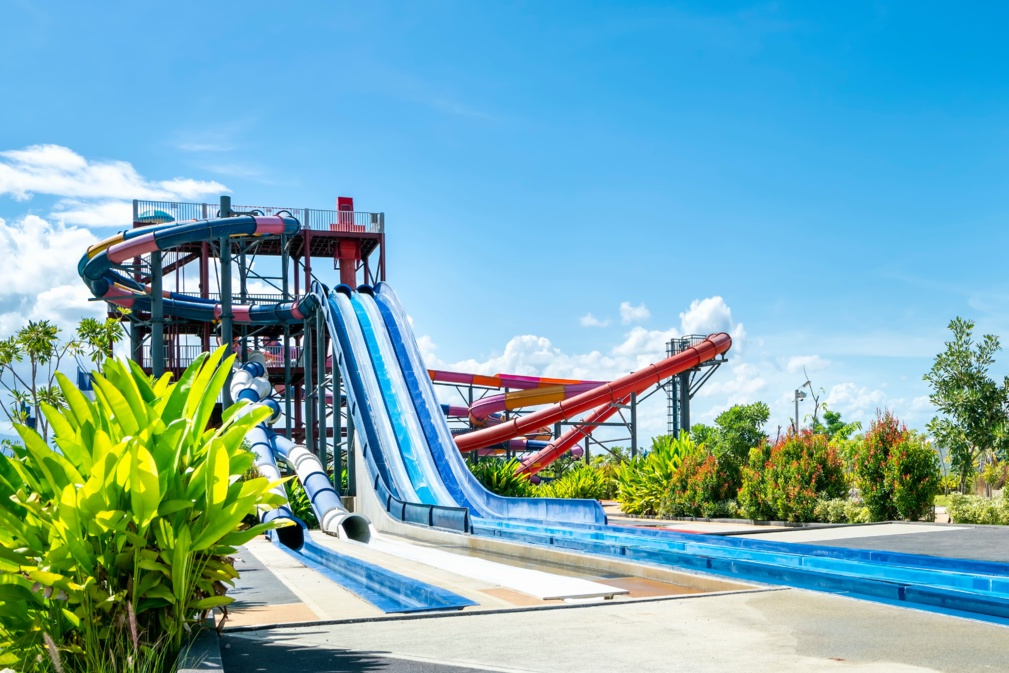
{"type": "Point", "coordinates": [774, 632]}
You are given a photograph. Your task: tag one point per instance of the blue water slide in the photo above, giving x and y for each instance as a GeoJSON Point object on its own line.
{"type": "Point", "coordinates": [449, 461]}
{"type": "Point", "coordinates": [400, 414]}
{"type": "Point", "coordinates": [372, 415]}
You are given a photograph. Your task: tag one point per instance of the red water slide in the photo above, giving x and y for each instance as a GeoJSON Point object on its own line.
{"type": "Point", "coordinates": [606, 394]}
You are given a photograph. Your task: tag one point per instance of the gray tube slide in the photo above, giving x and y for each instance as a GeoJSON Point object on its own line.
{"type": "Point", "coordinates": [326, 503]}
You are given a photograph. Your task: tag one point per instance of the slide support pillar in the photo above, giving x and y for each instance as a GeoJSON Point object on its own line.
{"type": "Point", "coordinates": [634, 425]}
{"type": "Point", "coordinates": [307, 383]}
{"type": "Point", "coordinates": [227, 318]}
{"type": "Point", "coordinates": [337, 387]}
{"type": "Point", "coordinates": [320, 376]}
{"type": "Point", "coordinates": [157, 317]}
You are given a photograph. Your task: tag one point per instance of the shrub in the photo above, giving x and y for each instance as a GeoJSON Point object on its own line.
{"type": "Point", "coordinates": [978, 510]}
{"type": "Point", "coordinates": [300, 504]}
{"type": "Point", "coordinates": [897, 472]}
{"type": "Point", "coordinates": [642, 482]}
{"type": "Point", "coordinates": [702, 487]}
{"type": "Point", "coordinates": [840, 510]}
{"type": "Point", "coordinates": [113, 545]}
{"type": "Point", "coordinates": [498, 476]}
{"type": "Point", "coordinates": [871, 460]}
{"type": "Point", "coordinates": [581, 482]}
{"type": "Point", "coordinates": [914, 473]}
{"type": "Point", "coordinates": [784, 481]}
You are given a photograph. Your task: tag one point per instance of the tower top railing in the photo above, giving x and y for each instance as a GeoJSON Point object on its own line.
{"type": "Point", "coordinates": [345, 221]}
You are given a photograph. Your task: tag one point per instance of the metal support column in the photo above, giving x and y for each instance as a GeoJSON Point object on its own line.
{"type": "Point", "coordinates": [157, 316]}
{"type": "Point", "coordinates": [243, 298]}
{"type": "Point", "coordinates": [684, 381]}
{"type": "Point", "coordinates": [351, 456]}
{"type": "Point", "coordinates": [320, 390]}
{"type": "Point", "coordinates": [307, 366]}
{"type": "Point", "coordinates": [338, 444]}
{"type": "Point", "coordinates": [634, 425]}
{"type": "Point", "coordinates": [227, 318]}
{"type": "Point", "coordinates": [287, 382]}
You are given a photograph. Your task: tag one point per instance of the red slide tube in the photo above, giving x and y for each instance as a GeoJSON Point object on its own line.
{"type": "Point", "coordinates": [608, 393]}
{"type": "Point", "coordinates": [551, 452]}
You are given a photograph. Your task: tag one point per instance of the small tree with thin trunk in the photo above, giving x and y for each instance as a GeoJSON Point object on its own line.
{"type": "Point", "coordinates": [973, 406]}
{"type": "Point", "coordinates": [30, 359]}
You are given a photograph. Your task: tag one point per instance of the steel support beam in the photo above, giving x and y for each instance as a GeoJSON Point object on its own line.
{"type": "Point", "coordinates": [157, 316]}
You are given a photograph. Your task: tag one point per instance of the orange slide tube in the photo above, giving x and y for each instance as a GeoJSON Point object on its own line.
{"type": "Point", "coordinates": [606, 394]}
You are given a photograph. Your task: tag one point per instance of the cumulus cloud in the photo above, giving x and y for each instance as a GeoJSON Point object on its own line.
{"type": "Point", "coordinates": [629, 313]}
{"type": "Point", "coordinates": [91, 193]}
{"type": "Point", "coordinates": [589, 320]}
{"type": "Point", "coordinates": [854, 401]}
{"type": "Point", "coordinates": [706, 316]}
{"type": "Point", "coordinates": [809, 363]}
{"type": "Point", "coordinates": [38, 278]}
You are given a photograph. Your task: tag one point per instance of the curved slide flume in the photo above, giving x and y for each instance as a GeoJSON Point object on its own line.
{"type": "Point", "coordinates": [451, 466]}
{"type": "Point", "coordinates": [608, 393]}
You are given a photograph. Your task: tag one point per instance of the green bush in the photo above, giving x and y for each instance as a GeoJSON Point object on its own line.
{"type": "Point", "coordinates": [840, 510]}
{"type": "Point", "coordinates": [897, 472]}
{"type": "Point", "coordinates": [112, 546]}
{"type": "Point", "coordinates": [914, 472]}
{"type": "Point", "coordinates": [642, 482]}
{"type": "Point", "coordinates": [498, 476]}
{"type": "Point", "coordinates": [978, 510]}
{"type": "Point", "coordinates": [581, 482]}
{"type": "Point", "coordinates": [300, 504]}
{"type": "Point", "coordinates": [702, 487]}
{"type": "Point", "coordinates": [783, 482]}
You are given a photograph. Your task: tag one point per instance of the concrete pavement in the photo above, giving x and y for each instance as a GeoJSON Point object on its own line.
{"type": "Point", "coordinates": [769, 632]}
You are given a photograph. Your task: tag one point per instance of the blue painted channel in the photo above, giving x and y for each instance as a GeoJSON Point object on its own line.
{"type": "Point", "coordinates": [386, 590]}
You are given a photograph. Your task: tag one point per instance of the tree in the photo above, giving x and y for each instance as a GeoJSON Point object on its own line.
{"type": "Point", "coordinates": [973, 406]}
{"type": "Point", "coordinates": [30, 359]}
{"type": "Point", "coordinates": [834, 427]}
{"type": "Point", "coordinates": [737, 430]}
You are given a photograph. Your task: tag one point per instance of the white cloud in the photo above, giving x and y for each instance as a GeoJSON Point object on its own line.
{"type": "Point", "coordinates": [809, 363]}
{"type": "Point", "coordinates": [629, 313]}
{"type": "Point", "coordinates": [854, 401]}
{"type": "Point", "coordinates": [589, 320]}
{"type": "Point", "coordinates": [38, 278]}
{"type": "Point", "coordinates": [706, 316]}
{"type": "Point", "coordinates": [93, 214]}
{"type": "Point", "coordinates": [742, 388]}
{"type": "Point", "coordinates": [92, 193]}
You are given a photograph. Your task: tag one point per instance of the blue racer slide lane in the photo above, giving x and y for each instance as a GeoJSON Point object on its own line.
{"type": "Point", "coordinates": [451, 467]}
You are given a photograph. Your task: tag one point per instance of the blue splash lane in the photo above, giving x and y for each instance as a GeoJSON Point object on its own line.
{"type": "Point", "coordinates": [386, 590]}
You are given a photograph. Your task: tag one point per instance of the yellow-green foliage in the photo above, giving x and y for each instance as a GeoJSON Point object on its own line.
{"type": "Point", "coordinates": [583, 481]}
{"type": "Point", "coordinates": [122, 534]}
{"type": "Point", "coordinates": [642, 482]}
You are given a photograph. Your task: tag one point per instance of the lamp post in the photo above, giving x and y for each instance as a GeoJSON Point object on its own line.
{"type": "Point", "coordinates": [799, 395]}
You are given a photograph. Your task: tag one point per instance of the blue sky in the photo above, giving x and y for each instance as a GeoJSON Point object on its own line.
{"type": "Point", "coordinates": [830, 177]}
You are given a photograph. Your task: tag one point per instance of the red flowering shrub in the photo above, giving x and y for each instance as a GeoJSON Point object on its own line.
{"type": "Point", "coordinates": [896, 472]}
{"type": "Point", "coordinates": [703, 486]}
{"type": "Point", "coordinates": [783, 482]}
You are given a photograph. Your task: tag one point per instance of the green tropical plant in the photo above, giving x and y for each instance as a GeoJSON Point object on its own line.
{"type": "Point", "coordinates": [642, 482]}
{"type": "Point", "coordinates": [498, 476]}
{"type": "Point", "coordinates": [116, 542]}
{"type": "Point", "coordinates": [301, 506]}
{"type": "Point", "coordinates": [581, 482]}
{"type": "Point", "coordinates": [784, 481]}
